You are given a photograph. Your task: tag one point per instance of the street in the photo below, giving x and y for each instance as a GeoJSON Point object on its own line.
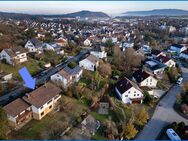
{"type": "Point", "coordinates": [164, 113]}
{"type": "Point", "coordinates": [40, 79]}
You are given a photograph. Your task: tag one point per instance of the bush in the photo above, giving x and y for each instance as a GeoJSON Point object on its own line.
{"type": "Point", "coordinates": [72, 65]}
{"type": "Point", "coordinates": [148, 98]}
{"type": "Point", "coordinates": [173, 74]}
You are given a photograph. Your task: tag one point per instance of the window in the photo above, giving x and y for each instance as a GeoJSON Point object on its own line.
{"type": "Point", "coordinates": [126, 95]}
{"type": "Point", "coordinates": [134, 94]}
{"type": "Point", "coordinates": [150, 80]}
{"type": "Point", "coordinates": [41, 107]}
{"type": "Point", "coordinates": [50, 106]}
{"type": "Point", "coordinates": [49, 101]}
{"type": "Point", "coordinates": [134, 91]}
{"type": "Point", "coordinates": [42, 114]}
{"type": "Point", "coordinates": [129, 92]}
{"type": "Point", "coordinates": [137, 94]}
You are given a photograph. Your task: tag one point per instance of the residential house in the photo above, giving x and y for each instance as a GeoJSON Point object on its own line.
{"type": "Point", "coordinates": [87, 42]}
{"type": "Point", "coordinates": [166, 60]}
{"type": "Point", "coordinates": [53, 47]}
{"type": "Point", "coordinates": [155, 67]}
{"type": "Point", "coordinates": [43, 99]}
{"type": "Point", "coordinates": [156, 53]}
{"type": "Point", "coordinates": [100, 52]}
{"type": "Point", "coordinates": [34, 45]}
{"type": "Point", "coordinates": [89, 63]}
{"type": "Point", "coordinates": [67, 76]}
{"type": "Point", "coordinates": [177, 48]}
{"type": "Point", "coordinates": [146, 49]}
{"type": "Point", "coordinates": [128, 91]}
{"type": "Point", "coordinates": [144, 79]}
{"type": "Point", "coordinates": [126, 45]}
{"type": "Point", "coordinates": [18, 113]}
{"type": "Point", "coordinates": [5, 76]}
{"type": "Point", "coordinates": [62, 42]}
{"type": "Point", "coordinates": [184, 54]}
{"type": "Point", "coordinates": [90, 124]}
{"type": "Point", "coordinates": [15, 55]}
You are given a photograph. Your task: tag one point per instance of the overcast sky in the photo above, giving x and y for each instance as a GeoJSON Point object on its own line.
{"type": "Point", "coordinates": [110, 7]}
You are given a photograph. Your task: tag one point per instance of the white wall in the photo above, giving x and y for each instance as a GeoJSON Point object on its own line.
{"type": "Point", "coordinates": [30, 46]}
{"type": "Point", "coordinates": [129, 94]}
{"type": "Point", "coordinates": [99, 55]}
{"type": "Point", "coordinates": [170, 63]}
{"type": "Point", "coordinates": [60, 80]}
{"type": "Point", "coordinates": [4, 55]}
{"type": "Point", "coordinates": [86, 64]}
{"type": "Point", "coordinates": [149, 82]}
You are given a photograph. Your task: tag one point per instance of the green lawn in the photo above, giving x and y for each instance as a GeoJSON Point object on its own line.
{"type": "Point", "coordinates": [31, 65]}
{"type": "Point", "coordinates": [51, 56]}
{"type": "Point", "coordinates": [98, 116]}
{"type": "Point", "coordinates": [85, 81]}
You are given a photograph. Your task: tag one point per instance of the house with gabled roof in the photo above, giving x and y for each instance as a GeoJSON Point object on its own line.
{"type": "Point", "coordinates": [177, 48]}
{"type": "Point", "coordinates": [155, 53]}
{"type": "Point", "coordinates": [34, 45]}
{"type": "Point", "coordinates": [184, 54]}
{"type": "Point", "coordinates": [166, 60]}
{"type": "Point", "coordinates": [15, 55]}
{"type": "Point", "coordinates": [43, 99]}
{"type": "Point", "coordinates": [128, 91]}
{"type": "Point", "coordinates": [87, 42]}
{"type": "Point", "coordinates": [89, 63]}
{"type": "Point", "coordinates": [144, 79]}
{"type": "Point", "coordinates": [35, 104]}
{"type": "Point", "coordinates": [67, 76]}
{"type": "Point", "coordinates": [18, 113]}
{"type": "Point", "coordinates": [99, 52]}
{"type": "Point", "coordinates": [155, 67]}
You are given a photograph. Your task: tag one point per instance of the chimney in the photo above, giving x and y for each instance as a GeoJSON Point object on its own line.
{"type": "Point", "coordinates": [27, 95]}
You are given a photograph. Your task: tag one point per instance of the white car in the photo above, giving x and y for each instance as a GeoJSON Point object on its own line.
{"type": "Point", "coordinates": [172, 135]}
{"type": "Point", "coordinates": [179, 81]}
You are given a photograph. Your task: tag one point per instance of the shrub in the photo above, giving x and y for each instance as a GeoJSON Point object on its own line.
{"type": "Point", "coordinates": [72, 65]}
{"type": "Point", "coordinates": [148, 98]}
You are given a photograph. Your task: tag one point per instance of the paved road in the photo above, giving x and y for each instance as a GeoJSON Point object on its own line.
{"type": "Point", "coordinates": [40, 79]}
{"type": "Point", "coordinates": [164, 113]}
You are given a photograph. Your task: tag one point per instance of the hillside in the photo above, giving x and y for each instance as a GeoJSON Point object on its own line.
{"type": "Point", "coordinates": [165, 12]}
{"type": "Point", "coordinates": [84, 14]}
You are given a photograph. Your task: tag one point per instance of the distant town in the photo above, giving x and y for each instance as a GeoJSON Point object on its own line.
{"type": "Point", "coordinates": [97, 77]}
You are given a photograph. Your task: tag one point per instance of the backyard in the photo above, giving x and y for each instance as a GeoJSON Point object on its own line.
{"type": "Point", "coordinates": [56, 121]}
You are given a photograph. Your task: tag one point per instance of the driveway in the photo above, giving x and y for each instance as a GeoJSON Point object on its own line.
{"type": "Point", "coordinates": [164, 113]}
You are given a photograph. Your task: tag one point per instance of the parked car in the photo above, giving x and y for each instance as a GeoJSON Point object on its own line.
{"type": "Point", "coordinates": [172, 135]}
{"type": "Point", "coordinates": [179, 81]}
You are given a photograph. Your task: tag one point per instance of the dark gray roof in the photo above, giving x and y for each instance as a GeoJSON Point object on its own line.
{"type": "Point", "coordinates": [177, 45]}
{"type": "Point", "coordinates": [158, 65]}
{"type": "Point", "coordinates": [12, 52]}
{"type": "Point", "coordinates": [36, 42]}
{"type": "Point", "coordinates": [73, 71]}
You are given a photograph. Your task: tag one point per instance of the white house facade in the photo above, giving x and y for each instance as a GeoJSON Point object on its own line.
{"type": "Point", "coordinates": [99, 54]}
{"type": "Point", "coordinates": [128, 92]}
{"type": "Point", "coordinates": [14, 56]}
{"type": "Point", "coordinates": [89, 63]}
